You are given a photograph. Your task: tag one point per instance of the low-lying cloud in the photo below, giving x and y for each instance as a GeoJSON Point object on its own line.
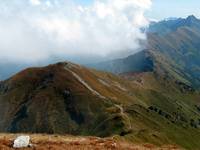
{"type": "Point", "coordinates": [35, 30]}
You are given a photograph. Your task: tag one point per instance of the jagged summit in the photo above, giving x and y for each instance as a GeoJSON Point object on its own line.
{"type": "Point", "coordinates": [167, 26]}
{"type": "Point", "coordinates": [192, 21]}
{"type": "Point", "coordinates": [191, 17]}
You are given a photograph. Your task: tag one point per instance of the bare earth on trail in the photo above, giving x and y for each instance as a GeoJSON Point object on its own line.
{"type": "Point", "coordinates": [56, 142]}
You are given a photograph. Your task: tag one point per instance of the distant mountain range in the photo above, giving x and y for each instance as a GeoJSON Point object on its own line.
{"type": "Point", "coordinates": [149, 97]}
{"type": "Point", "coordinates": [173, 50]}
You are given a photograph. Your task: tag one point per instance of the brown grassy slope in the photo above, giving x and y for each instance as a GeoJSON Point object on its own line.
{"type": "Point", "coordinates": [53, 100]}
{"type": "Point", "coordinates": [56, 142]}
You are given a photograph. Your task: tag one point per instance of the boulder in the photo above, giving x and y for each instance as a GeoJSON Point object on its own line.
{"type": "Point", "coordinates": [21, 142]}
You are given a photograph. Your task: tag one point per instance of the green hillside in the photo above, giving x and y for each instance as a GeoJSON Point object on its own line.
{"type": "Point", "coordinates": [70, 99]}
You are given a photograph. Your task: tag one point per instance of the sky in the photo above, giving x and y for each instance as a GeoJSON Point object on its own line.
{"type": "Point", "coordinates": [173, 8]}
{"type": "Point", "coordinates": [80, 30]}
{"type": "Point", "coordinates": [162, 9]}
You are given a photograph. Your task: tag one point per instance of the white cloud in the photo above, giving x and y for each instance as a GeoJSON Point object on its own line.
{"type": "Point", "coordinates": [35, 2]}
{"type": "Point", "coordinates": [64, 28]}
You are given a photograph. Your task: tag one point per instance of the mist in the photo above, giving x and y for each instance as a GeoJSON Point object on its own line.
{"type": "Point", "coordinates": [38, 32]}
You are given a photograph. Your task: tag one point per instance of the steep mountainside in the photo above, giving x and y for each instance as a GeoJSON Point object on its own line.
{"type": "Point", "coordinates": [173, 52]}
{"type": "Point", "coordinates": [177, 53]}
{"type": "Point", "coordinates": [139, 62]}
{"type": "Point", "coordinates": [68, 98]}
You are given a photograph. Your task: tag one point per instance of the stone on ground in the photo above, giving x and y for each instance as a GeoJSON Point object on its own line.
{"type": "Point", "coordinates": [21, 142]}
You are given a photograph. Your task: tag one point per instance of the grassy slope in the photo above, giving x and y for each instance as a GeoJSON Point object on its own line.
{"type": "Point", "coordinates": [169, 118]}
{"type": "Point", "coordinates": [177, 52]}
{"type": "Point", "coordinates": [167, 97]}
{"type": "Point", "coordinates": [138, 107]}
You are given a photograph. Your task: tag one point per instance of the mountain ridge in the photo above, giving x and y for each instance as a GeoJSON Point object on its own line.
{"type": "Point", "coordinates": [66, 98]}
{"type": "Point", "coordinates": [173, 48]}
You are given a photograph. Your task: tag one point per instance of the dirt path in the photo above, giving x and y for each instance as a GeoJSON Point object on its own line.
{"type": "Point", "coordinates": [84, 83]}
{"type": "Point", "coordinates": [124, 114]}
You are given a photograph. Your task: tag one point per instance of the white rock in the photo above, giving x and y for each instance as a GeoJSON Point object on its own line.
{"type": "Point", "coordinates": [21, 142]}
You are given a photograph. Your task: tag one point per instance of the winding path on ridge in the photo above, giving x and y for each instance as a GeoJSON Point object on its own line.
{"type": "Point", "coordinates": [124, 114]}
